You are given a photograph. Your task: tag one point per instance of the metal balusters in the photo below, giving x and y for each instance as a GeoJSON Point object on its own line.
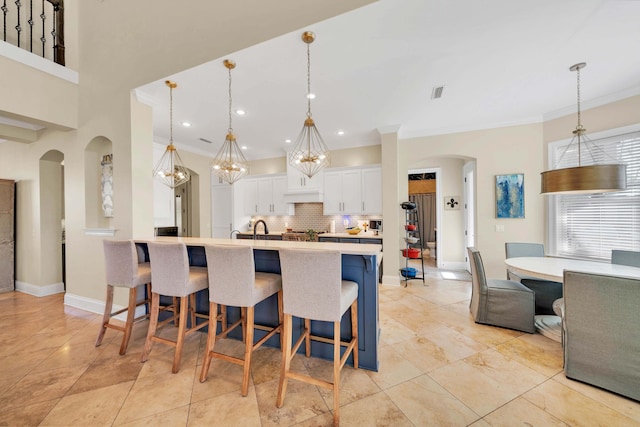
{"type": "Point", "coordinates": [18, 27]}
{"type": "Point", "coordinates": [25, 18]}
{"type": "Point", "coordinates": [43, 39]}
{"type": "Point", "coordinates": [4, 12]}
{"type": "Point", "coordinates": [30, 22]}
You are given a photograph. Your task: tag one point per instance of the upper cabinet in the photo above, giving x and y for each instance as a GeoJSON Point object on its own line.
{"type": "Point", "coordinates": [297, 181]}
{"type": "Point", "coordinates": [301, 188]}
{"type": "Point", "coordinates": [265, 196]}
{"type": "Point", "coordinates": [372, 191]}
{"type": "Point", "coordinates": [353, 191]}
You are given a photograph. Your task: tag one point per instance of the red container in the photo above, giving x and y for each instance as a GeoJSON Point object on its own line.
{"type": "Point", "coordinates": [411, 253]}
{"type": "Point", "coordinates": [410, 227]}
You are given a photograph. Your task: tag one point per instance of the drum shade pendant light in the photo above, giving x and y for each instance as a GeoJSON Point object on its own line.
{"type": "Point", "coordinates": [309, 154]}
{"type": "Point", "coordinates": [595, 178]}
{"type": "Point", "coordinates": [170, 170]}
{"type": "Point", "coordinates": [229, 164]}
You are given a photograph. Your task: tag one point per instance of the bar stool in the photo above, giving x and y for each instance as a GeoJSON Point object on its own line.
{"type": "Point", "coordinates": [123, 270]}
{"type": "Point", "coordinates": [313, 289]}
{"type": "Point", "coordinates": [233, 281]}
{"type": "Point", "coordinates": [172, 276]}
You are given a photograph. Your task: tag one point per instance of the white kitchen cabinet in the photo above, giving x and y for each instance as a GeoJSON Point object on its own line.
{"type": "Point", "coordinates": [227, 208]}
{"type": "Point", "coordinates": [265, 196]}
{"type": "Point", "coordinates": [372, 191]}
{"type": "Point", "coordinates": [342, 192]}
{"type": "Point", "coordinates": [297, 181]}
{"type": "Point", "coordinates": [353, 191]}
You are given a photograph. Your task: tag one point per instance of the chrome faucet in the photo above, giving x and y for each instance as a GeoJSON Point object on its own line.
{"type": "Point", "coordinates": [233, 231]}
{"type": "Point", "coordinates": [255, 227]}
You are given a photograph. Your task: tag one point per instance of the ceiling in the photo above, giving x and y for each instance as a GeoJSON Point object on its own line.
{"type": "Point", "coordinates": [501, 62]}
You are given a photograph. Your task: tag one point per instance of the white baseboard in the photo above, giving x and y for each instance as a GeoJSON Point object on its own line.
{"type": "Point", "coordinates": [39, 291]}
{"type": "Point", "coordinates": [390, 279]}
{"type": "Point", "coordinates": [97, 306]}
{"type": "Point", "coordinates": [453, 265]}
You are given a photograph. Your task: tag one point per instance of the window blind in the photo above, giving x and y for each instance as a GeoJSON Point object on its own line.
{"type": "Point", "coordinates": [591, 225]}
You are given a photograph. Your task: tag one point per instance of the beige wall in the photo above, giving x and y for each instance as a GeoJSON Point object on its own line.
{"type": "Point", "coordinates": [515, 149]}
{"type": "Point", "coordinates": [349, 157]}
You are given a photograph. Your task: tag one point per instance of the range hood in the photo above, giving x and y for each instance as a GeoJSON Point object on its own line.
{"type": "Point", "coordinates": [301, 196]}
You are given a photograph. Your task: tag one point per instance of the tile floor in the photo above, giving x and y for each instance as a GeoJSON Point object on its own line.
{"type": "Point", "coordinates": [437, 368]}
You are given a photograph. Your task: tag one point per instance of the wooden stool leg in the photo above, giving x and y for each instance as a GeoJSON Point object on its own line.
{"type": "Point", "coordinates": [107, 315]}
{"type": "Point", "coordinates": [192, 309]}
{"type": "Point", "coordinates": [131, 314]}
{"type": "Point", "coordinates": [153, 325]}
{"type": "Point", "coordinates": [286, 360]}
{"type": "Point", "coordinates": [243, 317]}
{"type": "Point", "coordinates": [182, 327]}
{"type": "Point", "coordinates": [281, 318]}
{"type": "Point", "coordinates": [248, 349]}
{"type": "Point", "coordinates": [354, 332]}
{"type": "Point", "coordinates": [211, 341]}
{"type": "Point", "coordinates": [307, 340]}
{"type": "Point", "coordinates": [336, 373]}
{"type": "Point", "coordinates": [223, 316]}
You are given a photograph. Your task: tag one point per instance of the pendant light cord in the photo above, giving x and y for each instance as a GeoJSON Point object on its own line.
{"type": "Point", "coordinates": [170, 115]}
{"type": "Point", "coordinates": [308, 80]}
{"type": "Point", "coordinates": [230, 127]}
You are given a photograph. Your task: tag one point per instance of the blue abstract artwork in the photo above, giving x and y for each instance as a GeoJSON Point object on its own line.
{"type": "Point", "coordinates": [510, 196]}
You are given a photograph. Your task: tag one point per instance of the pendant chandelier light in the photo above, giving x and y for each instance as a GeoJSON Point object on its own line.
{"type": "Point", "coordinates": [229, 164]}
{"type": "Point", "coordinates": [309, 154]}
{"type": "Point", "coordinates": [170, 170]}
{"type": "Point", "coordinates": [594, 178]}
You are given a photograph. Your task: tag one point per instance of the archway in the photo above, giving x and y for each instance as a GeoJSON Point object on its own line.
{"type": "Point", "coordinates": [52, 214]}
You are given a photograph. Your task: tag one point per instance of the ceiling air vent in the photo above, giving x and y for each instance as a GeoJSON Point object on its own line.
{"type": "Point", "coordinates": [437, 92]}
{"type": "Point", "coordinates": [206, 140]}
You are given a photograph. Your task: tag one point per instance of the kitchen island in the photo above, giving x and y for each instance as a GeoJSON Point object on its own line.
{"type": "Point", "coordinates": [360, 264]}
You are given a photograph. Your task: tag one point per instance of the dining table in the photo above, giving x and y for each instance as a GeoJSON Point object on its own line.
{"type": "Point", "coordinates": [552, 268]}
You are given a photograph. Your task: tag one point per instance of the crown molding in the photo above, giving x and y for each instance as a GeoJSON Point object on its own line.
{"type": "Point", "coordinates": [592, 103]}
{"type": "Point", "coordinates": [468, 128]}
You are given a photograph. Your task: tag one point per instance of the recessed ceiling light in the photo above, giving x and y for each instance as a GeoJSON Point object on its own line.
{"type": "Point", "coordinates": [311, 95]}
{"type": "Point", "coordinates": [288, 141]}
{"type": "Point", "coordinates": [340, 132]}
{"type": "Point", "coordinates": [244, 147]}
{"type": "Point", "coordinates": [186, 124]}
{"type": "Point", "coordinates": [436, 92]}
{"type": "Point", "coordinates": [240, 112]}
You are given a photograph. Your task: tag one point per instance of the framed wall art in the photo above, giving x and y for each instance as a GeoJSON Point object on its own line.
{"type": "Point", "coordinates": [510, 196]}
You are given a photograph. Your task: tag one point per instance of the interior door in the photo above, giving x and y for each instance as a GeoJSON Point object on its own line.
{"type": "Point", "coordinates": [7, 243]}
{"type": "Point", "coordinates": [221, 209]}
{"type": "Point", "coordinates": [469, 170]}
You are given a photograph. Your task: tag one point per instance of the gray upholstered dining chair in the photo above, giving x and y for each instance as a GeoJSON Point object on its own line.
{"type": "Point", "coordinates": [313, 289]}
{"type": "Point", "coordinates": [630, 258]}
{"type": "Point", "coordinates": [172, 276]}
{"type": "Point", "coordinates": [123, 270]}
{"type": "Point", "coordinates": [233, 281]}
{"type": "Point", "coordinates": [601, 330]}
{"type": "Point", "coordinates": [546, 291]}
{"type": "Point", "coordinates": [499, 302]}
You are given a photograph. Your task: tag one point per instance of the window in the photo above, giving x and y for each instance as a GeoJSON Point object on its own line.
{"type": "Point", "coordinates": [591, 225]}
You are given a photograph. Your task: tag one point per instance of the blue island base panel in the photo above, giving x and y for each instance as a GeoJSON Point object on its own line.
{"type": "Point", "coordinates": [361, 269]}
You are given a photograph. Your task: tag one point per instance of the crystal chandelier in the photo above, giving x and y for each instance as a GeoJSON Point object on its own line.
{"type": "Point", "coordinates": [309, 153]}
{"type": "Point", "coordinates": [596, 178]}
{"type": "Point", "coordinates": [170, 170]}
{"type": "Point", "coordinates": [229, 164]}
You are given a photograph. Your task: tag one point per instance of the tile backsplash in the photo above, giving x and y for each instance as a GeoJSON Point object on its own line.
{"type": "Point", "coordinates": [310, 216]}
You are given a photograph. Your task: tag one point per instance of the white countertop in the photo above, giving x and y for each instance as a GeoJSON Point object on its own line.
{"type": "Point", "coordinates": [344, 248]}
{"type": "Point", "coordinates": [361, 235]}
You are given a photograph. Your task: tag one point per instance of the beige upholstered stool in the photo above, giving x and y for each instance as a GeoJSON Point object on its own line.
{"type": "Point", "coordinates": [123, 270]}
{"type": "Point", "coordinates": [172, 276]}
{"type": "Point", "coordinates": [313, 289]}
{"type": "Point", "coordinates": [233, 281]}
